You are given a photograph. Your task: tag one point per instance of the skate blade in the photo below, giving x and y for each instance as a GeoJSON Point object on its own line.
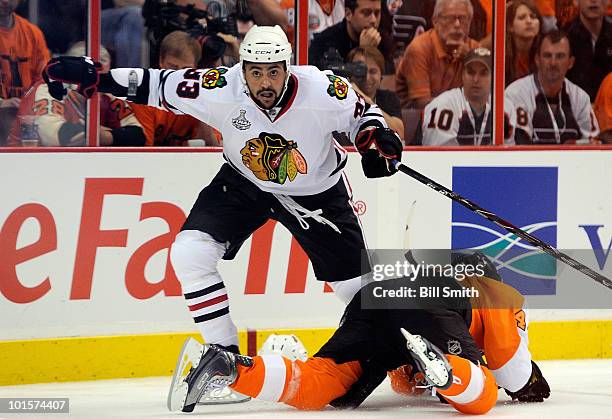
{"type": "Point", "coordinates": [191, 353]}
{"type": "Point", "coordinates": [224, 395]}
{"type": "Point", "coordinates": [434, 368]}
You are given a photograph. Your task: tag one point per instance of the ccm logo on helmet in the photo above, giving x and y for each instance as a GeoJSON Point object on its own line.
{"type": "Point", "coordinates": [263, 52]}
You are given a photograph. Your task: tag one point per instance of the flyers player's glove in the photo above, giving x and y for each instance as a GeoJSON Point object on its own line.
{"type": "Point", "coordinates": [407, 380]}
{"type": "Point", "coordinates": [378, 146]}
{"type": "Point", "coordinates": [536, 389]}
{"type": "Point", "coordinates": [80, 71]}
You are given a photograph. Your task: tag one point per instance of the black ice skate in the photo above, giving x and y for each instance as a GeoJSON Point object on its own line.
{"type": "Point", "coordinates": [212, 368]}
{"type": "Point", "coordinates": [431, 360]}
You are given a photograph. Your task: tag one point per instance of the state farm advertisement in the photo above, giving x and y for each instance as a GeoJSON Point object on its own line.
{"type": "Point", "coordinates": [84, 237]}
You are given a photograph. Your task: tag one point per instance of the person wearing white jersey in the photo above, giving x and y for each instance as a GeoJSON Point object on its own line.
{"type": "Point", "coordinates": [277, 123]}
{"type": "Point", "coordinates": [463, 115]}
{"type": "Point", "coordinates": [550, 109]}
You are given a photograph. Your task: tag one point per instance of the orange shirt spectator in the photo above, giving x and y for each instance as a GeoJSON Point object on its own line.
{"type": "Point", "coordinates": [164, 128]}
{"type": "Point", "coordinates": [432, 62]}
{"type": "Point", "coordinates": [23, 55]}
{"type": "Point", "coordinates": [427, 70]}
{"type": "Point", "coordinates": [603, 109]}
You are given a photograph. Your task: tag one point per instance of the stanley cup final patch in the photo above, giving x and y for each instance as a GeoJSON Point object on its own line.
{"type": "Point", "coordinates": [240, 122]}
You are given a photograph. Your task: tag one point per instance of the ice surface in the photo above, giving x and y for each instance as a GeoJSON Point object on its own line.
{"type": "Point", "coordinates": [580, 390]}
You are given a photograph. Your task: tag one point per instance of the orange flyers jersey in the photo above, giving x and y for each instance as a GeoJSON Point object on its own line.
{"type": "Point", "coordinates": [499, 327]}
{"type": "Point", "coordinates": [23, 56]}
{"type": "Point", "coordinates": [164, 128]}
{"type": "Point", "coordinates": [603, 104]}
{"type": "Point", "coordinates": [51, 114]}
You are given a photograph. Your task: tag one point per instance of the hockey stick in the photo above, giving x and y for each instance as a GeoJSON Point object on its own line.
{"type": "Point", "coordinates": [503, 224]}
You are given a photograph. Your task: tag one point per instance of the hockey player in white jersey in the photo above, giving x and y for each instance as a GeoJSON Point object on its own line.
{"type": "Point", "coordinates": [550, 109]}
{"type": "Point", "coordinates": [463, 116]}
{"type": "Point", "coordinates": [278, 123]}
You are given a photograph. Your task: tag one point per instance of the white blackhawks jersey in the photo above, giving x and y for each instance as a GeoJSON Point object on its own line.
{"type": "Point", "coordinates": [322, 17]}
{"type": "Point", "coordinates": [540, 120]}
{"type": "Point", "coordinates": [449, 121]}
{"type": "Point", "coordinates": [291, 152]}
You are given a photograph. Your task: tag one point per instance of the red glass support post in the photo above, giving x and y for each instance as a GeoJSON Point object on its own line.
{"type": "Point", "coordinates": [301, 30]}
{"type": "Point", "coordinates": [499, 55]}
{"type": "Point", "coordinates": [93, 50]}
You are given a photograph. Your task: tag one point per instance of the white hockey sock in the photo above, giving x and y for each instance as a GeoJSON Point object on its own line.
{"type": "Point", "coordinates": [194, 256]}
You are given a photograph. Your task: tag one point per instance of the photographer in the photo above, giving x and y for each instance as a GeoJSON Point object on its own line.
{"type": "Point", "coordinates": [361, 27]}
{"type": "Point", "coordinates": [369, 86]}
{"type": "Point", "coordinates": [227, 19]}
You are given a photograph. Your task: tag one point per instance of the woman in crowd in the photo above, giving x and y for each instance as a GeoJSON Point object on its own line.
{"type": "Point", "coordinates": [523, 25]}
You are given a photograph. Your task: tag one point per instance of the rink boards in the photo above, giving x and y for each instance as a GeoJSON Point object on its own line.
{"type": "Point", "coordinates": [84, 239]}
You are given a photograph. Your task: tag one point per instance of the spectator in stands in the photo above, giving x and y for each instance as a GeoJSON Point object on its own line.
{"type": "Point", "coordinates": [178, 50]}
{"type": "Point", "coordinates": [123, 30]}
{"type": "Point", "coordinates": [549, 108]}
{"type": "Point", "coordinates": [556, 14]}
{"type": "Point", "coordinates": [369, 87]}
{"type": "Point", "coordinates": [360, 28]}
{"type": "Point", "coordinates": [482, 20]}
{"type": "Point", "coordinates": [523, 25]}
{"type": "Point", "coordinates": [603, 109]}
{"type": "Point", "coordinates": [62, 123]}
{"type": "Point", "coordinates": [590, 36]}
{"type": "Point", "coordinates": [433, 61]}
{"type": "Point", "coordinates": [23, 55]}
{"type": "Point", "coordinates": [462, 116]}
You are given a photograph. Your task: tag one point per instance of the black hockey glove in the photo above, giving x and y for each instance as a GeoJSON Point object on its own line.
{"type": "Point", "coordinates": [536, 389]}
{"type": "Point", "coordinates": [378, 146]}
{"type": "Point", "coordinates": [82, 71]}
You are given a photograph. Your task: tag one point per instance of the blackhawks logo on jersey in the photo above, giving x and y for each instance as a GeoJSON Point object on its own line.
{"type": "Point", "coordinates": [338, 87]}
{"type": "Point", "coordinates": [214, 78]}
{"type": "Point", "coordinates": [270, 157]}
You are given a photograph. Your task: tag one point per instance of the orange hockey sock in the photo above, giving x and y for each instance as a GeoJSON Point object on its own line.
{"type": "Point", "coordinates": [474, 390]}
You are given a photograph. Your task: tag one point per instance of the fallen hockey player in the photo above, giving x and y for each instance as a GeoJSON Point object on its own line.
{"type": "Point", "coordinates": [371, 342]}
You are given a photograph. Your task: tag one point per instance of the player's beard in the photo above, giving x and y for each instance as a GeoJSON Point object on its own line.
{"type": "Point", "coordinates": [266, 103]}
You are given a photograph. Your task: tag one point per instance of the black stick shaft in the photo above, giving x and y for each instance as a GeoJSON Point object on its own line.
{"type": "Point", "coordinates": [504, 224]}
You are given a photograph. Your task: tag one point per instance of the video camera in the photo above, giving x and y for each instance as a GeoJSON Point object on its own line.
{"type": "Point", "coordinates": [334, 62]}
{"type": "Point", "coordinates": [165, 16]}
